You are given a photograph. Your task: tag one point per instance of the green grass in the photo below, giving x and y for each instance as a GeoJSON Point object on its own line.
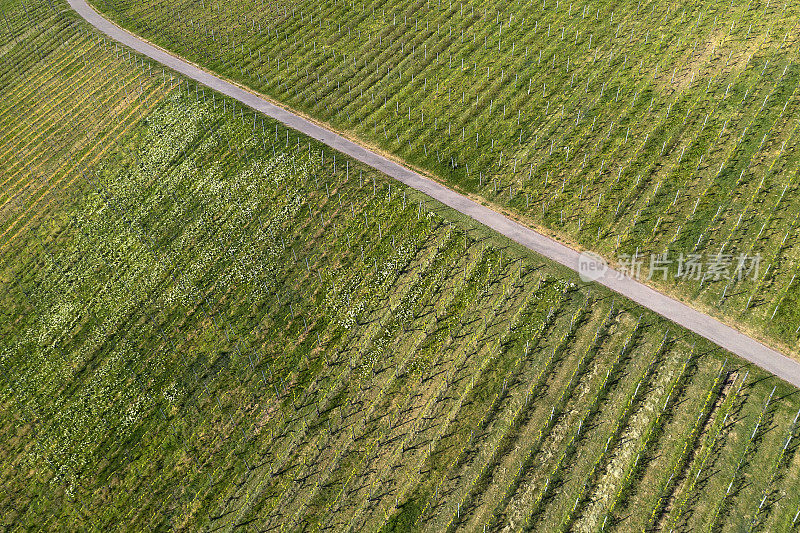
{"type": "Point", "coordinates": [212, 325]}
{"type": "Point", "coordinates": [650, 127]}
{"type": "Point", "coordinates": [66, 96]}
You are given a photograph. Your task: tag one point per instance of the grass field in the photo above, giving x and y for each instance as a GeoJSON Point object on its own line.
{"type": "Point", "coordinates": [211, 323]}
{"type": "Point", "coordinates": [627, 128]}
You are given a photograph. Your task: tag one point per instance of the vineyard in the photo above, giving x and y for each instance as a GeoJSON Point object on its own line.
{"type": "Point", "coordinates": [212, 322]}
{"type": "Point", "coordinates": [228, 332]}
{"type": "Point", "coordinates": [66, 96]}
{"type": "Point", "coordinates": [633, 129]}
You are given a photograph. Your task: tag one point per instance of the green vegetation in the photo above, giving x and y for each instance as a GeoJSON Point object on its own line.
{"type": "Point", "coordinates": [227, 332]}
{"type": "Point", "coordinates": [67, 96]}
{"type": "Point", "coordinates": [208, 322]}
{"type": "Point", "coordinates": [646, 127]}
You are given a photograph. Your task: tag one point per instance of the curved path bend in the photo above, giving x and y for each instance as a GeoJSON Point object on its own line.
{"type": "Point", "coordinates": [678, 312]}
